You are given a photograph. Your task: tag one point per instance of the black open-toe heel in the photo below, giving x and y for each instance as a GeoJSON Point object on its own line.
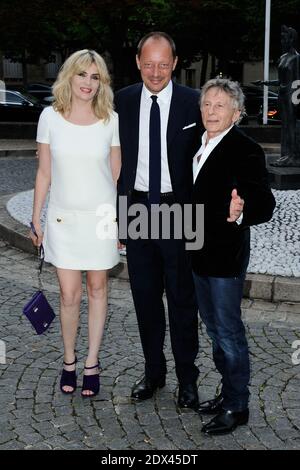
{"type": "Point", "coordinates": [68, 378]}
{"type": "Point", "coordinates": [91, 383]}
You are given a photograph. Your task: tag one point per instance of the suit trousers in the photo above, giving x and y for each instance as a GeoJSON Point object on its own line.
{"type": "Point", "coordinates": [155, 266]}
{"type": "Point", "coordinates": [219, 301]}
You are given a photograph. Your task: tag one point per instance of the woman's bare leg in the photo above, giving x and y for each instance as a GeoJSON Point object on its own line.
{"type": "Point", "coordinates": [70, 282]}
{"type": "Point", "coordinates": [97, 297]}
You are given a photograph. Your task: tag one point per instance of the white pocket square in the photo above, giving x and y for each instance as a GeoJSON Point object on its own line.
{"type": "Point", "coordinates": [190, 125]}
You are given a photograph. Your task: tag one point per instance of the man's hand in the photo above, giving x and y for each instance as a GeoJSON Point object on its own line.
{"type": "Point", "coordinates": [236, 206]}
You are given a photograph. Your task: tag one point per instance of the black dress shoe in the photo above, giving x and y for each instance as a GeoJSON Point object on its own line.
{"type": "Point", "coordinates": [188, 396]}
{"type": "Point", "coordinates": [211, 407]}
{"type": "Point", "coordinates": [145, 388]}
{"type": "Point", "coordinates": [226, 422]}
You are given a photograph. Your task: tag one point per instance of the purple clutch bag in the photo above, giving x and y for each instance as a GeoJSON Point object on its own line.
{"type": "Point", "coordinates": [38, 310]}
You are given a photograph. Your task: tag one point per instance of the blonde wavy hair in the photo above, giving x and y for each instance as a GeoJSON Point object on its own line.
{"type": "Point", "coordinates": [78, 62]}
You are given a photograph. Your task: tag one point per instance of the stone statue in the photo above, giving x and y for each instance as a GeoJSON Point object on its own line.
{"type": "Point", "coordinates": [288, 73]}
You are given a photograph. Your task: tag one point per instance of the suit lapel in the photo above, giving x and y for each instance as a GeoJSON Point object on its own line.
{"type": "Point", "coordinates": [176, 114]}
{"type": "Point", "coordinates": [215, 153]}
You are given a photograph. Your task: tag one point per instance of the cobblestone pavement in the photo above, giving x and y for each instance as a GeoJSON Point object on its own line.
{"type": "Point", "coordinates": [34, 414]}
{"type": "Point", "coordinates": [17, 174]}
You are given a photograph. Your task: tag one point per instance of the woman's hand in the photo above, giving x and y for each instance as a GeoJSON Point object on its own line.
{"type": "Point", "coordinates": [121, 246]}
{"type": "Point", "coordinates": [38, 237]}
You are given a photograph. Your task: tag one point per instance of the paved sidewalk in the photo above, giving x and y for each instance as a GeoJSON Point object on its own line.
{"type": "Point", "coordinates": [34, 414]}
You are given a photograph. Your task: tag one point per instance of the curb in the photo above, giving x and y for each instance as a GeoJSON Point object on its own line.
{"type": "Point", "coordinates": [17, 148]}
{"type": "Point", "coordinates": [271, 149]}
{"type": "Point", "coordinates": [257, 286]}
{"type": "Point", "coordinates": [17, 153]}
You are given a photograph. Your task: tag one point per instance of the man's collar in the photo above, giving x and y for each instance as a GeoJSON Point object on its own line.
{"type": "Point", "coordinates": [217, 139]}
{"type": "Point", "coordinates": [164, 95]}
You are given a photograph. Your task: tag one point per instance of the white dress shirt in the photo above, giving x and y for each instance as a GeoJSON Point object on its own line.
{"type": "Point", "coordinates": [142, 173]}
{"type": "Point", "coordinates": [206, 149]}
{"type": "Point", "coordinates": [204, 152]}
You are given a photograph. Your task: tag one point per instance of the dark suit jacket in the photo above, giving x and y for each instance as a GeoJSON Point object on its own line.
{"type": "Point", "coordinates": [181, 143]}
{"type": "Point", "coordinates": [236, 162]}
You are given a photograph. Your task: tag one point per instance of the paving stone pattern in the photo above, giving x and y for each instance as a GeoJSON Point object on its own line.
{"type": "Point", "coordinates": [34, 414]}
{"type": "Point", "coordinates": [17, 174]}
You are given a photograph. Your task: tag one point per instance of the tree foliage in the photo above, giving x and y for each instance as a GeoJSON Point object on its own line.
{"type": "Point", "coordinates": [230, 30]}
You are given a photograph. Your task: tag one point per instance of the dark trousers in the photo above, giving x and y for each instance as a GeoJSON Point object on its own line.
{"type": "Point", "coordinates": [219, 301]}
{"type": "Point", "coordinates": [156, 266]}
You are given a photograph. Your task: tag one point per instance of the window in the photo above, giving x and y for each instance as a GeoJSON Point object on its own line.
{"type": "Point", "coordinates": [12, 98]}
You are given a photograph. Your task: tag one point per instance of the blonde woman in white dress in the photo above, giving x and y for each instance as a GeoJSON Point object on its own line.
{"type": "Point", "coordinates": [79, 160]}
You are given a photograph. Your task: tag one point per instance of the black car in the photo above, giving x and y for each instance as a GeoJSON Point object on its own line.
{"type": "Point", "coordinates": [254, 97]}
{"type": "Point", "coordinates": [273, 113]}
{"type": "Point", "coordinates": [39, 90]}
{"type": "Point", "coordinates": [16, 106]}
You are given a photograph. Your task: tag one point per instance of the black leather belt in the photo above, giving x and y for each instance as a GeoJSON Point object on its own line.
{"type": "Point", "coordinates": [145, 194]}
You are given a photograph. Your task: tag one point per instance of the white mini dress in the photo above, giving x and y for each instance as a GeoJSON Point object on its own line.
{"type": "Point", "coordinates": [81, 228]}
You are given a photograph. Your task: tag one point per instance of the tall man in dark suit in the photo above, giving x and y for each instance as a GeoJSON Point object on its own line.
{"type": "Point", "coordinates": [158, 118]}
{"type": "Point", "coordinates": [158, 265]}
{"type": "Point", "coordinates": [227, 159]}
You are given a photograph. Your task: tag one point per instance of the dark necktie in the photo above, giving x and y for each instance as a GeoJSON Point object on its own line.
{"type": "Point", "coordinates": [154, 153]}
